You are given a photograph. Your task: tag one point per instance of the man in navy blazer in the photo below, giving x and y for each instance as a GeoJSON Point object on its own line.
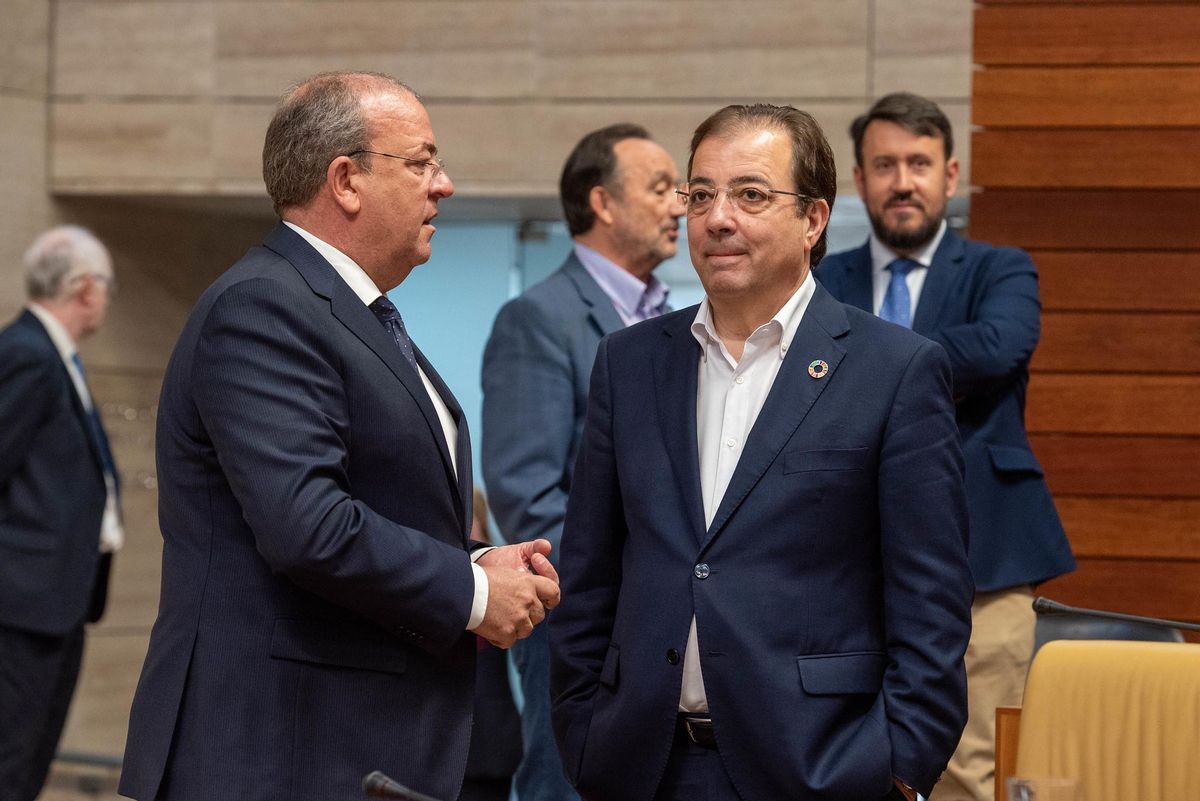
{"type": "Point", "coordinates": [981, 304]}
{"type": "Point", "coordinates": [59, 516]}
{"type": "Point", "coordinates": [765, 584]}
{"type": "Point", "coordinates": [618, 196]}
{"type": "Point", "coordinates": [319, 590]}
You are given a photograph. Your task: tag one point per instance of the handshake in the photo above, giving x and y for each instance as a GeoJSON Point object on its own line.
{"type": "Point", "coordinates": [522, 586]}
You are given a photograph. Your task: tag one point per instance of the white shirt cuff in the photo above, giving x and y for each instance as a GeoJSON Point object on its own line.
{"type": "Point", "coordinates": [479, 603]}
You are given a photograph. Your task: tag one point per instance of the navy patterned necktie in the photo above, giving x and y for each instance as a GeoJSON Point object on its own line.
{"type": "Point", "coordinates": [389, 315]}
{"type": "Point", "coordinates": [897, 302]}
{"type": "Point", "coordinates": [95, 429]}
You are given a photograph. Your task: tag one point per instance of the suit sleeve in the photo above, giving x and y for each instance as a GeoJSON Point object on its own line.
{"type": "Point", "coordinates": [528, 423]}
{"type": "Point", "coordinates": [593, 541]}
{"type": "Point", "coordinates": [927, 582]}
{"type": "Point", "coordinates": [268, 389]}
{"type": "Point", "coordinates": [29, 389]}
{"type": "Point", "coordinates": [1004, 324]}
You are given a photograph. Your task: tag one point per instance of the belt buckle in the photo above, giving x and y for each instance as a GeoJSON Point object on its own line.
{"type": "Point", "coordinates": [693, 726]}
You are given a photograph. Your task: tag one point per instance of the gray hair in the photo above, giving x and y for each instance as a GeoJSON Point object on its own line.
{"type": "Point", "coordinates": [318, 120]}
{"type": "Point", "coordinates": [61, 255]}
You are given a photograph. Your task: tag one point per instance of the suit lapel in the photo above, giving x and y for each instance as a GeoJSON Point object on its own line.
{"type": "Point", "coordinates": [675, 389]}
{"type": "Point", "coordinates": [938, 282]}
{"type": "Point", "coordinates": [601, 311]}
{"type": "Point", "coordinates": [351, 312]}
{"type": "Point", "coordinates": [859, 288]}
{"type": "Point", "coordinates": [789, 401]}
{"type": "Point", "coordinates": [462, 451]}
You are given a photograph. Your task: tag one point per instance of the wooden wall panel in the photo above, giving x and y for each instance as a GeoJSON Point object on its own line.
{"type": "Point", "coordinates": [1133, 467]}
{"type": "Point", "coordinates": [1088, 158]}
{"type": "Point", "coordinates": [1089, 280]}
{"type": "Point", "coordinates": [1132, 528]}
{"type": "Point", "coordinates": [1118, 343]}
{"type": "Point", "coordinates": [1058, 34]}
{"type": "Point", "coordinates": [1087, 96]}
{"type": "Point", "coordinates": [1158, 588]}
{"type": "Point", "coordinates": [1118, 219]}
{"type": "Point", "coordinates": [1114, 404]}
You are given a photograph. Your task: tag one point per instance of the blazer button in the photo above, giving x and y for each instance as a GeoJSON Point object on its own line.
{"type": "Point", "coordinates": [672, 656]}
{"type": "Point", "coordinates": [701, 571]}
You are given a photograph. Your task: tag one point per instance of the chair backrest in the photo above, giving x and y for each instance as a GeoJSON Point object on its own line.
{"type": "Point", "coordinates": [1082, 627]}
{"type": "Point", "coordinates": [1123, 718]}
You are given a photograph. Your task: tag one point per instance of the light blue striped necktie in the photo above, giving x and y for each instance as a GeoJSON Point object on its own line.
{"type": "Point", "coordinates": [897, 302]}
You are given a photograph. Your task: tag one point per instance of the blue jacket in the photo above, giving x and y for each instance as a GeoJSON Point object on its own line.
{"type": "Point", "coordinates": [980, 303]}
{"type": "Point", "coordinates": [831, 591]}
{"type": "Point", "coordinates": [316, 582]}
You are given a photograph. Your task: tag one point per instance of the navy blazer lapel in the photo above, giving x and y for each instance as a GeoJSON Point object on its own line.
{"type": "Point", "coordinates": [349, 309]}
{"type": "Point", "coordinates": [789, 401]}
{"type": "Point", "coordinates": [462, 451]}
{"type": "Point", "coordinates": [859, 289]}
{"type": "Point", "coordinates": [600, 306]}
{"type": "Point", "coordinates": [675, 368]}
{"type": "Point", "coordinates": [31, 321]}
{"type": "Point", "coordinates": [938, 281]}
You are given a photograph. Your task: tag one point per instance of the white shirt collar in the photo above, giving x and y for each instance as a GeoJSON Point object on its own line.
{"type": "Point", "coordinates": [783, 325]}
{"type": "Point", "coordinates": [356, 277]}
{"type": "Point", "coordinates": [882, 255]}
{"type": "Point", "coordinates": [58, 333]}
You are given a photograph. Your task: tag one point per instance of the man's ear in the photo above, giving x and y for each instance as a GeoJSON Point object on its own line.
{"type": "Point", "coordinates": [818, 217]}
{"type": "Point", "coordinates": [951, 177]}
{"type": "Point", "coordinates": [600, 200]}
{"type": "Point", "coordinates": [342, 179]}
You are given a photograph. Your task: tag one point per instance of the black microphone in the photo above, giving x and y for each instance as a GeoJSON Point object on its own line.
{"type": "Point", "coordinates": [1044, 606]}
{"type": "Point", "coordinates": [376, 784]}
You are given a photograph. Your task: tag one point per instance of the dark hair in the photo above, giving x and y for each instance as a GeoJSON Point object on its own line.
{"type": "Point", "coordinates": [813, 168]}
{"type": "Point", "coordinates": [318, 120]}
{"type": "Point", "coordinates": [913, 112]}
{"type": "Point", "coordinates": [592, 163]}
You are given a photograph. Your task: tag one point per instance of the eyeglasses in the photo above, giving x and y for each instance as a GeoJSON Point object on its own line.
{"type": "Point", "coordinates": [433, 165]}
{"type": "Point", "coordinates": [750, 198]}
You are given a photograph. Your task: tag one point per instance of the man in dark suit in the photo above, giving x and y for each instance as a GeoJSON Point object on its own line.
{"type": "Point", "coordinates": [59, 514]}
{"type": "Point", "coordinates": [765, 584]}
{"type": "Point", "coordinates": [319, 591]}
{"type": "Point", "coordinates": [618, 196]}
{"type": "Point", "coordinates": [981, 304]}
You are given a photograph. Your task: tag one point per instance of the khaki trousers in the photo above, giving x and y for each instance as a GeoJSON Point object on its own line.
{"type": "Point", "coordinates": [997, 660]}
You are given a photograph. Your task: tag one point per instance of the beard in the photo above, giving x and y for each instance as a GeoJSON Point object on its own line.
{"type": "Point", "coordinates": [907, 240]}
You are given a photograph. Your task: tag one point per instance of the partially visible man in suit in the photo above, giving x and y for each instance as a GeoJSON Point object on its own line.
{"type": "Point", "coordinates": [319, 591]}
{"type": "Point", "coordinates": [59, 513]}
{"type": "Point", "coordinates": [618, 195]}
{"type": "Point", "coordinates": [981, 304]}
{"type": "Point", "coordinates": [765, 583]}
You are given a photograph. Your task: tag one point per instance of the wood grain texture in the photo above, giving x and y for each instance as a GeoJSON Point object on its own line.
{"type": "Point", "coordinates": [1091, 158]}
{"type": "Point", "coordinates": [1158, 588]}
{"type": "Point", "coordinates": [1114, 404]}
{"type": "Point", "coordinates": [1145, 281]}
{"type": "Point", "coordinates": [1115, 343]}
{"type": "Point", "coordinates": [1131, 527]}
{"type": "Point", "coordinates": [1081, 219]}
{"type": "Point", "coordinates": [1082, 34]}
{"type": "Point", "coordinates": [1129, 467]}
{"type": "Point", "coordinates": [1065, 97]}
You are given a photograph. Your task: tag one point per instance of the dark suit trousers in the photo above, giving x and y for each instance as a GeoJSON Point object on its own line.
{"type": "Point", "coordinates": [37, 679]}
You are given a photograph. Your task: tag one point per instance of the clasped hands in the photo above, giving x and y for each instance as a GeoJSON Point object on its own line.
{"type": "Point", "coordinates": [522, 585]}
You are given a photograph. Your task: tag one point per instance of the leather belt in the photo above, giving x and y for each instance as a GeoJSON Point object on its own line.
{"type": "Point", "coordinates": [699, 730]}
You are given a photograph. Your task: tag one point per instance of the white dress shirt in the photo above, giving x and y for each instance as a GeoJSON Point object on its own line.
{"type": "Point", "coordinates": [366, 290]}
{"type": "Point", "coordinates": [112, 534]}
{"type": "Point", "coordinates": [881, 257]}
{"type": "Point", "coordinates": [729, 395]}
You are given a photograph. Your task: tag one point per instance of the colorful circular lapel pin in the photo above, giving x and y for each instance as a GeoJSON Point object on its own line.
{"type": "Point", "coordinates": [818, 368]}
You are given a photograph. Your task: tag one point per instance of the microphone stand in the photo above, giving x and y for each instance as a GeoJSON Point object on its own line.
{"type": "Point", "coordinates": [1044, 606]}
